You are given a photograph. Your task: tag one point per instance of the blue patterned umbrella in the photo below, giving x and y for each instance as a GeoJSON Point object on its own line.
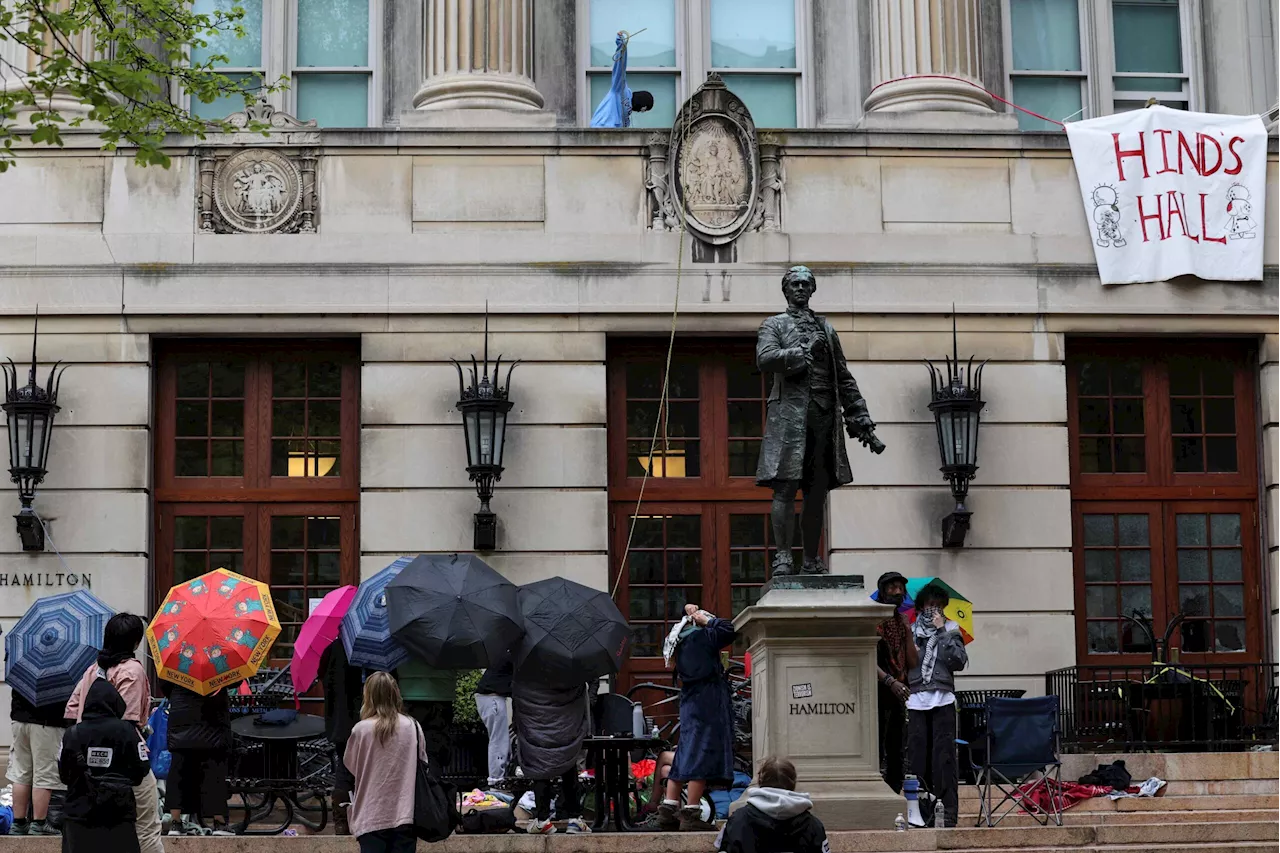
{"type": "Point", "coordinates": [49, 649]}
{"type": "Point", "coordinates": [366, 631]}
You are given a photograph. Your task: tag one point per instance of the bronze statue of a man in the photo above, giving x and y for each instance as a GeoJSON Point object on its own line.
{"type": "Point", "coordinates": [813, 391]}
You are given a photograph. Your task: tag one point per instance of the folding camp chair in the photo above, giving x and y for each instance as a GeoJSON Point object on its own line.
{"type": "Point", "coordinates": [1020, 760]}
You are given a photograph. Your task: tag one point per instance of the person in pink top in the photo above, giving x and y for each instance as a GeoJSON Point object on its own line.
{"type": "Point", "coordinates": [383, 755]}
{"type": "Point", "coordinates": [126, 674]}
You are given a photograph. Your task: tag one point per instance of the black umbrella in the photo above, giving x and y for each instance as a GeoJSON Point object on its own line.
{"type": "Point", "coordinates": [572, 633]}
{"type": "Point", "coordinates": [453, 611]}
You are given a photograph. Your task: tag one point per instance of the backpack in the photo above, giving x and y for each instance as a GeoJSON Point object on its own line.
{"type": "Point", "coordinates": [158, 742]}
{"type": "Point", "coordinates": [1113, 775]}
{"type": "Point", "coordinates": [434, 814]}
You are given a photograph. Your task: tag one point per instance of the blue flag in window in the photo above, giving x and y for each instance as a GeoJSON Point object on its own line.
{"type": "Point", "coordinates": [614, 109]}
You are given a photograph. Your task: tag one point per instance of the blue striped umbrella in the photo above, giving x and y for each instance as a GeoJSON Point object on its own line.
{"type": "Point", "coordinates": [366, 631]}
{"type": "Point", "coordinates": [49, 649]}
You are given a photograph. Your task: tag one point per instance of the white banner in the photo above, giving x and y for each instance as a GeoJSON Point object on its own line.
{"type": "Point", "coordinates": [1170, 193]}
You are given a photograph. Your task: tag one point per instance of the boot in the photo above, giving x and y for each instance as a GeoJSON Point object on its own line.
{"type": "Point", "coordinates": [691, 820]}
{"type": "Point", "coordinates": [782, 564]}
{"type": "Point", "coordinates": [813, 566]}
{"type": "Point", "coordinates": [665, 819]}
{"type": "Point", "coordinates": [340, 804]}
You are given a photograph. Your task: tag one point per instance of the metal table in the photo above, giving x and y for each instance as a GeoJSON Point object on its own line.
{"type": "Point", "coordinates": [266, 773]}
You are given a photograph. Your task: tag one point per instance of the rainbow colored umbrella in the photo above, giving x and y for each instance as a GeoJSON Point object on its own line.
{"type": "Point", "coordinates": [317, 634]}
{"type": "Point", "coordinates": [213, 631]}
{"type": "Point", "coordinates": [960, 610]}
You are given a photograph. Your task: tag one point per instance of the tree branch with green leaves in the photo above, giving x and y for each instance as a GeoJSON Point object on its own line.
{"type": "Point", "coordinates": [126, 65]}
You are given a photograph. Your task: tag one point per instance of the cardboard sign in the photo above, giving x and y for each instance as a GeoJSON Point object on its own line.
{"type": "Point", "coordinates": [1170, 193]}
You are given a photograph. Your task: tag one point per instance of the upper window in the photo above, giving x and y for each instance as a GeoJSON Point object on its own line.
{"type": "Point", "coordinates": [752, 44]}
{"type": "Point", "coordinates": [1069, 59]}
{"type": "Point", "coordinates": [324, 48]}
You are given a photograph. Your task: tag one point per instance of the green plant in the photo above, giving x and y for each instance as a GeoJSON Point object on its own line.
{"type": "Point", "coordinates": [465, 715]}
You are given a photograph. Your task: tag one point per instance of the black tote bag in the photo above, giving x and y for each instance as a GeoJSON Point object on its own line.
{"type": "Point", "coordinates": [435, 813]}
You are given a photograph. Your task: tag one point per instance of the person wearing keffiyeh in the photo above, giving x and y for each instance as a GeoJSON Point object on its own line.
{"type": "Point", "coordinates": [892, 664]}
{"type": "Point", "coordinates": [937, 653]}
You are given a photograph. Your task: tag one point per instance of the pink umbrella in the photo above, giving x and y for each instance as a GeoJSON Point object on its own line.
{"type": "Point", "coordinates": [316, 634]}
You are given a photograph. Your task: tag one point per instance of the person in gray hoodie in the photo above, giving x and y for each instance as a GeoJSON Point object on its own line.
{"type": "Point", "coordinates": [936, 654]}
{"type": "Point", "coordinates": [773, 817]}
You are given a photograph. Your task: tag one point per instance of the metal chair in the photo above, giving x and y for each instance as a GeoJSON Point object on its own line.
{"type": "Point", "coordinates": [1020, 760]}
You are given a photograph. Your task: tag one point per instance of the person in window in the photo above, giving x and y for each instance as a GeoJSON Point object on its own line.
{"type": "Point", "coordinates": [33, 762]}
{"type": "Point", "coordinates": [493, 692]}
{"type": "Point", "coordinates": [382, 756]}
{"type": "Point", "coordinates": [551, 724]}
{"type": "Point", "coordinates": [103, 761]}
{"type": "Point", "coordinates": [891, 670]}
{"type": "Point", "coordinates": [117, 665]}
{"type": "Point", "coordinates": [774, 819]}
{"type": "Point", "coordinates": [705, 753]}
{"type": "Point", "coordinates": [936, 654]}
{"type": "Point", "coordinates": [617, 105]}
{"type": "Point", "coordinates": [200, 743]}
{"type": "Point", "coordinates": [343, 691]}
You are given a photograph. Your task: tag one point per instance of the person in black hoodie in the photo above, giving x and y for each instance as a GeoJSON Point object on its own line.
{"type": "Point", "coordinates": [774, 818]}
{"type": "Point", "coordinates": [103, 758]}
{"type": "Point", "coordinates": [200, 743]}
{"type": "Point", "coordinates": [343, 692]}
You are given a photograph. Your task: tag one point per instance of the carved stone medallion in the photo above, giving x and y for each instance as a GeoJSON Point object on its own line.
{"type": "Point", "coordinates": [715, 172]}
{"type": "Point", "coordinates": [257, 191]}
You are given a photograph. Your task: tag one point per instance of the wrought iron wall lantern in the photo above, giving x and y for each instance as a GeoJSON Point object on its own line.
{"type": "Point", "coordinates": [30, 410]}
{"type": "Point", "coordinates": [957, 411]}
{"type": "Point", "coordinates": [484, 404]}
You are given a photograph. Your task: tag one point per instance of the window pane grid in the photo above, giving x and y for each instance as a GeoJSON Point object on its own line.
{"type": "Point", "coordinates": [209, 414]}
{"type": "Point", "coordinates": [1117, 575]}
{"type": "Point", "coordinates": [677, 452]}
{"type": "Point", "coordinates": [305, 564]}
{"type": "Point", "coordinates": [747, 409]}
{"type": "Point", "coordinates": [1202, 416]}
{"type": "Point", "coordinates": [1211, 594]}
{"type": "Point", "coordinates": [306, 419]}
{"type": "Point", "coordinates": [202, 543]}
{"type": "Point", "coordinates": [664, 572]}
{"type": "Point", "coordinates": [1111, 417]}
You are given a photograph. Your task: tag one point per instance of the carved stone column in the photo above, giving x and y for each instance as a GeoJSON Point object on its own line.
{"type": "Point", "coordinates": [479, 63]}
{"type": "Point", "coordinates": [916, 45]}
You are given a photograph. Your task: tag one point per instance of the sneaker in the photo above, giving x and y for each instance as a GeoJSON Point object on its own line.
{"type": "Point", "coordinates": [691, 820]}
{"type": "Point", "coordinates": [20, 827]}
{"type": "Point", "coordinates": [577, 826]}
{"type": "Point", "coordinates": [540, 827]}
{"type": "Point", "coordinates": [664, 819]}
{"type": "Point", "coordinates": [40, 827]}
{"type": "Point", "coordinates": [221, 829]}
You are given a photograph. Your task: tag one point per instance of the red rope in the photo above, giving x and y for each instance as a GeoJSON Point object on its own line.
{"type": "Point", "coordinates": [974, 85]}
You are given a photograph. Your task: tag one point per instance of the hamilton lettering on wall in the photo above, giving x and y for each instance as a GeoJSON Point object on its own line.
{"type": "Point", "coordinates": [804, 709]}
{"type": "Point", "coordinates": [55, 579]}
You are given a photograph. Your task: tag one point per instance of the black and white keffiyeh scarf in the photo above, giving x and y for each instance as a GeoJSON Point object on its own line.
{"type": "Point", "coordinates": [925, 629]}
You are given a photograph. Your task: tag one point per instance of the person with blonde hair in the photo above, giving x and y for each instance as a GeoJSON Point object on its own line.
{"type": "Point", "coordinates": [383, 755]}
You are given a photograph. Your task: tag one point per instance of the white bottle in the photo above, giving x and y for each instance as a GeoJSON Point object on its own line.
{"type": "Point", "coordinates": [900, 823]}
{"type": "Point", "coordinates": [637, 721]}
{"type": "Point", "coordinates": [940, 816]}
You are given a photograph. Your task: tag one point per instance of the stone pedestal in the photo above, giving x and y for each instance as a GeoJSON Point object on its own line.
{"type": "Point", "coordinates": [479, 60]}
{"type": "Point", "coordinates": [926, 68]}
{"type": "Point", "coordinates": [813, 672]}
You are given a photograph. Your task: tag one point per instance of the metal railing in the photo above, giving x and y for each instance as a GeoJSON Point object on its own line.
{"type": "Point", "coordinates": [1165, 707]}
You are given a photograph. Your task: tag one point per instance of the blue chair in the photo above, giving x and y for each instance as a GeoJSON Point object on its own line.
{"type": "Point", "coordinates": [1019, 752]}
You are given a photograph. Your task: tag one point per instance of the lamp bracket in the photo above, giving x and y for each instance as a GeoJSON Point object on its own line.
{"type": "Point", "coordinates": [486, 532]}
{"type": "Point", "coordinates": [30, 530]}
{"type": "Point", "coordinates": [954, 528]}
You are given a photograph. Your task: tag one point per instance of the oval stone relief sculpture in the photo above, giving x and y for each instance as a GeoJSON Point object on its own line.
{"type": "Point", "coordinates": [257, 191]}
{"type": "Point", "coordinates": [716, 163]}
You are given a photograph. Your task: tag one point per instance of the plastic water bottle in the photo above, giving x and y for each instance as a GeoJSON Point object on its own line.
{"type": "Point", "coordinates": [637, 721]}
{"type": "Point", "coordinates": [900, 823]}
{"type": "Point", "coordinates": [656, 733]}
{"type": "Point", "coordinates": [940, 816]}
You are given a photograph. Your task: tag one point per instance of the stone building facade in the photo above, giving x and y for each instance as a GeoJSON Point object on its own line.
{"type": "Point", "coordinates": [328, 275]}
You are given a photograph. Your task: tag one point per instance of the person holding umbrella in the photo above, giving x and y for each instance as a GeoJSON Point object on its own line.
{"type": "Point", "coordinates": [116, 663]}
{"type": "Point", "coordinates": [343, 687]}
{"type": "Point", "coordinates": [493, 692]}
{"type": "Point", "coordinates": [892, 652]}
{"type": "Point", "coordinates": [33, 762]}
{"type": "Point", "coordinates": [551, 724]}
{"type": "Point", "coordinates": [935, 655]}
{"type": "Point", "coordinates": [200, 743]}
{"type": "Point", "coordinates": [705, 753]}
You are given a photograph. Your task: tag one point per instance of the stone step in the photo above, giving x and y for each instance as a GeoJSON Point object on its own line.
{"type": "Point", "coordinates": [1213, 787]}
{"type": "Point", "coordinates": [1139, 804]}
{"type": "Point", "coordinates": [1072, 817]}
{"type": "Point", "coordinates": [1178, 767]}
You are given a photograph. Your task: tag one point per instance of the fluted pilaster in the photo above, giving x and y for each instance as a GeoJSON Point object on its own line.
{"type": "Point", "coordinates": [17, 62]}
{"type": "Point", "coordinates": [479, 56]}
{"type": "Point", "coordinates": [926, 55]}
